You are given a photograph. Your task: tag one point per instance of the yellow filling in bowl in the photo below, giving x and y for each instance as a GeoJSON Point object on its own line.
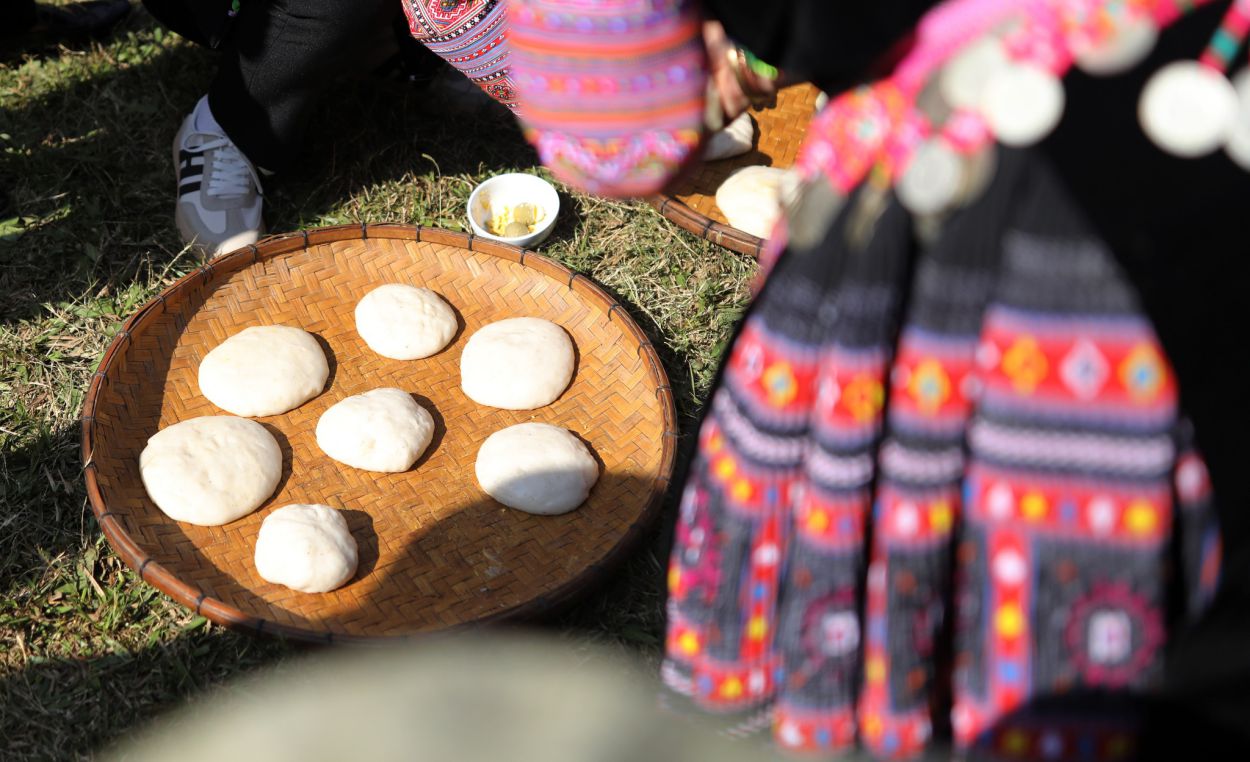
{"type": "Point", "coordinates": [513, 221]}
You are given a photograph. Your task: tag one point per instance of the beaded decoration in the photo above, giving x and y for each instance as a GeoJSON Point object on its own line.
{"type": "Point", "coordinates": [996, 67]}
{"type": "Point", "coordinates": [1189, 108]}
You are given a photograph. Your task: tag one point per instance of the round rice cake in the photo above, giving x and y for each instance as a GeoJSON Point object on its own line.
{"type": "Point", "coordinates": [537, 468]}
{"type": "Point", "coordinates": [306, 547]}
{"type": "Point", "coordinates": [211, 470]}
{"type": "Point", "coordinates": [381, 430]}
{"type": "Point", "coordinates": [517, 364]}
{"type": "Point", "coordinates": [264, 370]}
{"type": "Point", "coordinates": [404, 322]}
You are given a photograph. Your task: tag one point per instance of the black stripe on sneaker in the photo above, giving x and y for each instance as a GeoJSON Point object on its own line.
{"type": "Point", "coordinates": [185, 172]}
{"type": "Point", "coordinates": [190, 187]}
{"type": "Point", "coordinates": [188, 160]}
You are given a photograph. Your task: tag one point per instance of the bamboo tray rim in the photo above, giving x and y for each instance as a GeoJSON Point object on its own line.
{"type": "Point", "coordinates": [155, 574]}
{"type": "Point", "coordinates": [680, 214]}
{"type": "Point", "coordinates": [672, 207]}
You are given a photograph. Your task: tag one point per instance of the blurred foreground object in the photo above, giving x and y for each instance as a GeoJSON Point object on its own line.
{"type": "Point", "coordinates": [963, 379]}
{"type": "Point", "coordinates": [614, 93]}
{"type": "Point", "coordinates": [741, 80]}
{"type": "Point", "coordinates": [476, 698]}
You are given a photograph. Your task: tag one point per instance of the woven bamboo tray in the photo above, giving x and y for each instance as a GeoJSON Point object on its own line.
{"type": "Point", "coordinates": [691, 203]}
{"type": "Point", "coordinates": [435, 551]}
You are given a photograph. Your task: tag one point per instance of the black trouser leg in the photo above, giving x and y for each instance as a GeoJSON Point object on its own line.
{"type": "Point", "coordinates": [180, 17]}
{"type": "Point", "coordinates": [280, 57]}
{"type": "Point", "coordinates": [16, 16]}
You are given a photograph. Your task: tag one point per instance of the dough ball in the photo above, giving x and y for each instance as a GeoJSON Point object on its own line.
{"type": "Point", "coordinates": [403, 322]}
{"type": "Point", "coordinates": [734, 139]}
{"type": "Point", "coordinates": [306, 547]}
{"type": "Point", "coordinates": [380, 430]}
{"type": "Point", "coordinates": [536, 468]}
{"type": "Point", "coordinates": [264, 370]}
{"type": "Point", "coordinates": [211, 470]}
{"type": "Point", "coordinates": [752, 198]}
{"type": "Point", "coordinates": [517, 364]}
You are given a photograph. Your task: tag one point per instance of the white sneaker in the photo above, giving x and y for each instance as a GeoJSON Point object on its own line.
{"type": "Point", "coordinates": [219, 194]}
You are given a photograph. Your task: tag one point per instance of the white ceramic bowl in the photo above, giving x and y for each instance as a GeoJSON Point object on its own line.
{"type": "Point", "coordinates": [510, 190]}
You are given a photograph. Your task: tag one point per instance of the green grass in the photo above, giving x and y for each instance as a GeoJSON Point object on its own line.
{"type": "Point", "coordinates": [87, 651]}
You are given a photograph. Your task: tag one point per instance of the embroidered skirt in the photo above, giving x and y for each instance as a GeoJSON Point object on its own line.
{"type": "Point", "coordinates": [937, 483]}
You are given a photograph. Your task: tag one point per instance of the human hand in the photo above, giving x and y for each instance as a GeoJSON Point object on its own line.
{"type": "Point", "coordinates": [737, 85]}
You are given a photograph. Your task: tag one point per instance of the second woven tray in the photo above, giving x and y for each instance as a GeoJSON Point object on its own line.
{"type": "Point", "coordinates": [691, 204]}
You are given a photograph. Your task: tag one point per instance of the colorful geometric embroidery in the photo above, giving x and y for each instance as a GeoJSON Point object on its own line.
{"type": "Point", "coordinates": [1084, 370]}
{"type": "Point", "coordinates": [780, 384]}
{"type": "Point", "coordinates": [929, 386]}
{"type": "Point", "coordinates": [863, 397]}
{"type": "Point", "coordinates": [1143, 373]}
{"type": "Point", "coordinates": [848, 137]}
{"type": "Point", "coordinates": [1025, 364]}
{"type": "Point", "coordinates": [1016, 359]}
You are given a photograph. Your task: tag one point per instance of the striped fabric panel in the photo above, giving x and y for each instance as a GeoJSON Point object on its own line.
{"type": "Point", "coordinates": [613, 90]}
{"type": "Point", "coordinates": [472, 36]}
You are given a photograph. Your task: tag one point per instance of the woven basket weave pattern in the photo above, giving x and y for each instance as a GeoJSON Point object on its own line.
{"type": "Point", "coordinates": [781, 129]}
{"type": "Point", "coordinates": [435, 551]}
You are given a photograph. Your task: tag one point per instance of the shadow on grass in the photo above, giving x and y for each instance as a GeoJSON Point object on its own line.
{"type": "Point", "coordinates": [72, 689]}
{"type": "Point", "coordinates": [570, 221]}
{"type": "Point", "coordinates": [87, 651]}
{"type": "Point", "coordinates": [67, 708]}
{"type": "Point", "coordinates": [41, 46]}
{"type": "Point", "coordinates": [88, 166]}
{"type": "Point", "coordinates": [90, 651]}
